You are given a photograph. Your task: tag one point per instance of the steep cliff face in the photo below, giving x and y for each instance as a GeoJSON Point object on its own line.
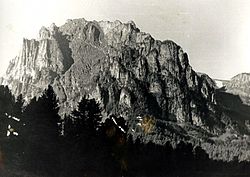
{"type": "Point", "coordinates": [147, 81]}
{"type": "Point", "coordinates": [127, 71]}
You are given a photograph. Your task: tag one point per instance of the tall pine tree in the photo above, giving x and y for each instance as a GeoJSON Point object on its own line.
{"type": "Point", "coordinates": [41, 134]}
{"type": "Point", "coordinates": [83, 149]}
{"type": "Point", "coordinates": [87, 117]}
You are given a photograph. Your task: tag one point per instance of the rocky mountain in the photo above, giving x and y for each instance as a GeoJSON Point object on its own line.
{"type": "Point", "coordinates": [115, 63]}
{"type": "Point", "coordinates": [240, 85]}
{"type": "Point", "coordinates": [129, 72]}
{"type": "Point", "coordinates": [234, 95]}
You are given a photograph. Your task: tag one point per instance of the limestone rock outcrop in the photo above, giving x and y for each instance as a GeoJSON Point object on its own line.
{"type": "Point", "coordinates": [128, 71]}
{"type": "Point", "coordinates": [132, 75]}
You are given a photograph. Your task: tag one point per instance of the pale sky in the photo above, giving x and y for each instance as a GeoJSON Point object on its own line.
{"type": "Point", "coordinates": [214, 33]}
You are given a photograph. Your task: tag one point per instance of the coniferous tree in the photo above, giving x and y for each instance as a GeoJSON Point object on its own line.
{"type": "Point", "coordinates": [80, 135]}
{"type": "Point", "coordinates": [7, 102]}
{"type": "Point", "coordinates": [10, 124]}
{"type": "Point", "coordinates": [41, 133]}
{"type": "Point", "coordinates": [89, 113]}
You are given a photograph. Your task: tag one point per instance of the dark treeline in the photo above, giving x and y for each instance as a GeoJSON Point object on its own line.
{"type": "Point", "coordinates": [81, 145]}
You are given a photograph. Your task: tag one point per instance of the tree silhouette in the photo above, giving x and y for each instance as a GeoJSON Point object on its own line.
{"type": "Point", "coordinates": [10, 115]}
{"type": "Point", "coordinates": [89, 147]}
{"type": "Point", "coordinates": [7, 102]}
{"type": "Point", "coordinates": [82, 143]}
{"type": "Point", "coordinates": [89, 113]}
{"type": "Point", "coordinates": [41, 133]}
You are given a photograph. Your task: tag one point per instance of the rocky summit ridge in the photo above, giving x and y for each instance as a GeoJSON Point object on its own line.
{"type": "Point", "coordinates": [127, 71]}
{"type": "Point", "coordinates": [114, 63]}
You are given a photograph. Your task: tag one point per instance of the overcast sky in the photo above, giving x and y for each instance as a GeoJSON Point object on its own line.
{"type": "Point", "coordinates": [214, 33]}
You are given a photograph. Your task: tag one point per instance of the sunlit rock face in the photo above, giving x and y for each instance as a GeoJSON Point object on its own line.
{"type": "Point", "coordinates": [240, 85]}
{"type": "Point", "coordinates": [127, 71]}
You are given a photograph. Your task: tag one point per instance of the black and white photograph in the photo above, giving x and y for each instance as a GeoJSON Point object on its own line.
{"type": "Point", "coordinates": [124, 88]}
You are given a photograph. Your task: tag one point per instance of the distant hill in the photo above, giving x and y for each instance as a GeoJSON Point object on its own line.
{"type": "Point", "coordinates": [240, 85]}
